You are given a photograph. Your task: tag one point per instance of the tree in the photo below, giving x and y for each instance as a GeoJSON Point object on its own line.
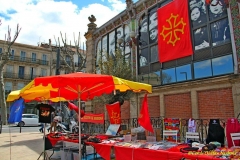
{"type": "Point", "coordinates": [4, 58]}
{"type": "Point", "coordinates": [69, 51]}
{"type": "Point", "coordinates": [116, 65]}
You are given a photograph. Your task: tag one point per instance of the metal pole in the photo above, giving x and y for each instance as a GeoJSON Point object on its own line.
{"type": "Point", "coordinates": [58, 61]}
{"type": "Point", "coordinates": [79, 123]}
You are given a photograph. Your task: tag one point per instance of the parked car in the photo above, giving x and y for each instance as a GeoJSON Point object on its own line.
{"type": "Point", "coordinates": [28, 120]}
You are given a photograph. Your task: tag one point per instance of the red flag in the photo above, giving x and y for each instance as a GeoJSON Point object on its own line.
{"type": "Point", "coordinates": [174, 38]}
{"type": "Point", "coordinates": [144, 119]}
{"type": "Point", "coordinates": [72, 106]}
{"type": "Point", "coordinates": [208, 1]}
{"type": "Point", "coordinates": [114, 113]}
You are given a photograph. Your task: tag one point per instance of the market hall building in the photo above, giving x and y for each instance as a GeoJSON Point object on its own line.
{"type": "Point", "coordinates": [199, 79]}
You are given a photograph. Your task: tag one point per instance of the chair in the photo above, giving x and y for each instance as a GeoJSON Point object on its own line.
{"type": "Point", "coordinates": [170, 133]}
{"type": "Point", "coordinates": [235, 136]}
{"type": "Point", "coordinates": [192, 135]}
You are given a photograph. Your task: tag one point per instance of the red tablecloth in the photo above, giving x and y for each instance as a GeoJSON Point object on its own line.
{"type": "Point", "coordinates": [123, 153]}
{"type": "Point", "coordinates": [127, 153]}
{"type": "Point", "coordinates": [104, 150]}
{"type": "Point", "coordinates": [144, 154]}
{"type": "Point", "coordinates": [54, 140]}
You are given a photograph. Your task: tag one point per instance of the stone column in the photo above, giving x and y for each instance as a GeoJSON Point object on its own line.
{"type": "Point", "coordinates": [194, 103]}
{"type": "Point", "coordinates": [90, 52]}
{"type": "Point", "coordinates": [134, 109]}
{"type": "Point", "coordinates": [236, 98]}
{"type": "Point", "coordinates": [90, 45]}
{"type": "Point", "coordinates": [162, 106]}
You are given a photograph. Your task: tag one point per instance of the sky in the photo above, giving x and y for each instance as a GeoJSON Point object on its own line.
{"type": "Point", "coordinates": [41, 20]}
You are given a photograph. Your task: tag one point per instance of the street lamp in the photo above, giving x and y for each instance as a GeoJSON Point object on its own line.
{"type": "Point", "coordinates": [132, 35]}
{"type": "Point", "coordinates": [185, 74]}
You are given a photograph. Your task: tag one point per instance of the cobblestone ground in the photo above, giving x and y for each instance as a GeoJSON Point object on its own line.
{"type": "Point", "coordinates": [21, 146]}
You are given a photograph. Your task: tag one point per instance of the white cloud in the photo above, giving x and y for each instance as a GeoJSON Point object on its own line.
{"type": "Point", "coordinates": [41, 20]}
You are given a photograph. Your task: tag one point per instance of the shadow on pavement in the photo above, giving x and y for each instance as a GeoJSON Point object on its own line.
{"type": "Point", "coordinates": [35, 145]}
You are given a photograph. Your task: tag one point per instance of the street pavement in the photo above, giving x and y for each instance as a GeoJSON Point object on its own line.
{"type": "Point", "coordinates": [26, 145]}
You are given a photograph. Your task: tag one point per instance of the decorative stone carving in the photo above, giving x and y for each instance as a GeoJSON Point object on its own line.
{"type": "Point", "coordinates": [92, 18]}
{"type": "Point", "coordinates": [131, 9]}
{"type": "Point", "coordinates": [92, 26]}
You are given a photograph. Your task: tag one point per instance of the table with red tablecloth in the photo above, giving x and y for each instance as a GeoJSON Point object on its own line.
{"type": "Point", "coordinates": [54, 139]}
{"type": "Point", "coordinates": [128, 153]}
{"type": "Point", "coordinates": [104, 150]}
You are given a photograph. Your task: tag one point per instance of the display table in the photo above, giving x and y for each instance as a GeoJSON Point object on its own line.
{"type": "Point", "coordinates": [104, 150]}
{"type": "Point", "coordinates": [128, 153]}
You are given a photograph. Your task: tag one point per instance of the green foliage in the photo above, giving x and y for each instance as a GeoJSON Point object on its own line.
{"type": "Point", "coordinates": [115, 65]}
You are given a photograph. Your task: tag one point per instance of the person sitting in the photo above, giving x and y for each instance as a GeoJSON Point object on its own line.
{"type": "Point", "coordinates": [53, 123]}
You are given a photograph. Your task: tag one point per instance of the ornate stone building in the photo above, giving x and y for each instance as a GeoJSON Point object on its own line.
{"type": "Point", "coordinates": [203, 85]}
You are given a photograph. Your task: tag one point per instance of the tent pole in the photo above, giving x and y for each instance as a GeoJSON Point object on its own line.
{"type": "Point", "coordinates": [79, 124]}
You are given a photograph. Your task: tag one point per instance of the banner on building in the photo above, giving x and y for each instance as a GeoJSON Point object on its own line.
{"type": "Point", "coordinates": [174, 36]}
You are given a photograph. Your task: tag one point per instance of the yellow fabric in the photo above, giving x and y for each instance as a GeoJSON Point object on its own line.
{"type": "Point", "coordinates": [13, 95]}
{"type": "Point", "coordinates": [124, 85]}
{"type": "Point", "coordinates": [31, 92]}
{"type": "Point", "coordinates": [28, 96]}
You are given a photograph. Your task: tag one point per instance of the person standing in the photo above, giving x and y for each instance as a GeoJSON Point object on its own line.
{"type": "Point", "coordinates": [41, 129]}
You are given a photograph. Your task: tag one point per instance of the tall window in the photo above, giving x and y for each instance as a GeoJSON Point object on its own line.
{"type": "Point", "coordinates": [0, 50]}
{"type": "Point", "coordinates": [32, 72]}
{"type": "Point", "coordinates": [9, 70]}
{"type": "Point", "coordinates": [43, 72]}
{"type": "Point", "coordinates": [44, 59]}
{"type": "Point", "coordinates": [20, 85]}
{"type": "Point", "coordinates": [22, 56]}
{"type": "Point", "coordinates": [68, 60]}
{"type": "Point", "coordinates": [12, 55]}
{"type": "Point", "coordinates": [34, 57]}
{"type": "Point", "coordinates": [21, 72]}
{"type": "Point", "coordinates": [211, 43]}
{"type": "Point", "coordinates": [8, 87]}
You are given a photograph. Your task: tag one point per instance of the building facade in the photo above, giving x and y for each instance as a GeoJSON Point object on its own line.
{"type": "Point", "coordinates": [203, 85]}
{"type": "Point", "coordinates": [27, 62]}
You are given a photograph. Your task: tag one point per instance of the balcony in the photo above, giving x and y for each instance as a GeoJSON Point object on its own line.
{"type": "Point", "coordinates": [61, 62]}
{"type": "Point", "coordinates": [19, 76]}
{"type": "Point", "coordinates": [29, 60]}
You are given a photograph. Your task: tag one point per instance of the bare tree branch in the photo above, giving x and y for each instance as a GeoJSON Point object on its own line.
{"type": "Point", "coordinates": [4, 58]}
{"type": "Point", "coordinates": [68, 52]}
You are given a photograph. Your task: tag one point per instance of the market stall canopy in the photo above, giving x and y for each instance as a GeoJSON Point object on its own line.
{"type": "Point", "coordinates": [85, 86]}
{"type": "Point", "coordinates": [38, 93]}
{"type": "Point", "coordinates": [70, 86]}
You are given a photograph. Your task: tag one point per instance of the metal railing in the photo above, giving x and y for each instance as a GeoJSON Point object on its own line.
{"type": "Point", "coordinates": [19, 76]}
{"type": "Point", "coordinates": [157, 123]}
{"type": "Point", "coordinates": [29, 60]}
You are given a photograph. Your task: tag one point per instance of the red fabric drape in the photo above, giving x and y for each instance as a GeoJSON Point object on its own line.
{"type": "Point", "coordinates": [174, 38]}
{"type": "Point", "coordinates": [123, 153]}
{"type": "Point", "coordinates": [144, 119]}
{"type": "Point", "coordinates": [72, 106]}
{"type": "Point", "coordinates": [232, 126]}
{"type": "Point", "coordinates": [144, 154]}
{"type": "Point", "coordinates": [114, 113]}
{"type": "Point", "coordinates": [104, 150]}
